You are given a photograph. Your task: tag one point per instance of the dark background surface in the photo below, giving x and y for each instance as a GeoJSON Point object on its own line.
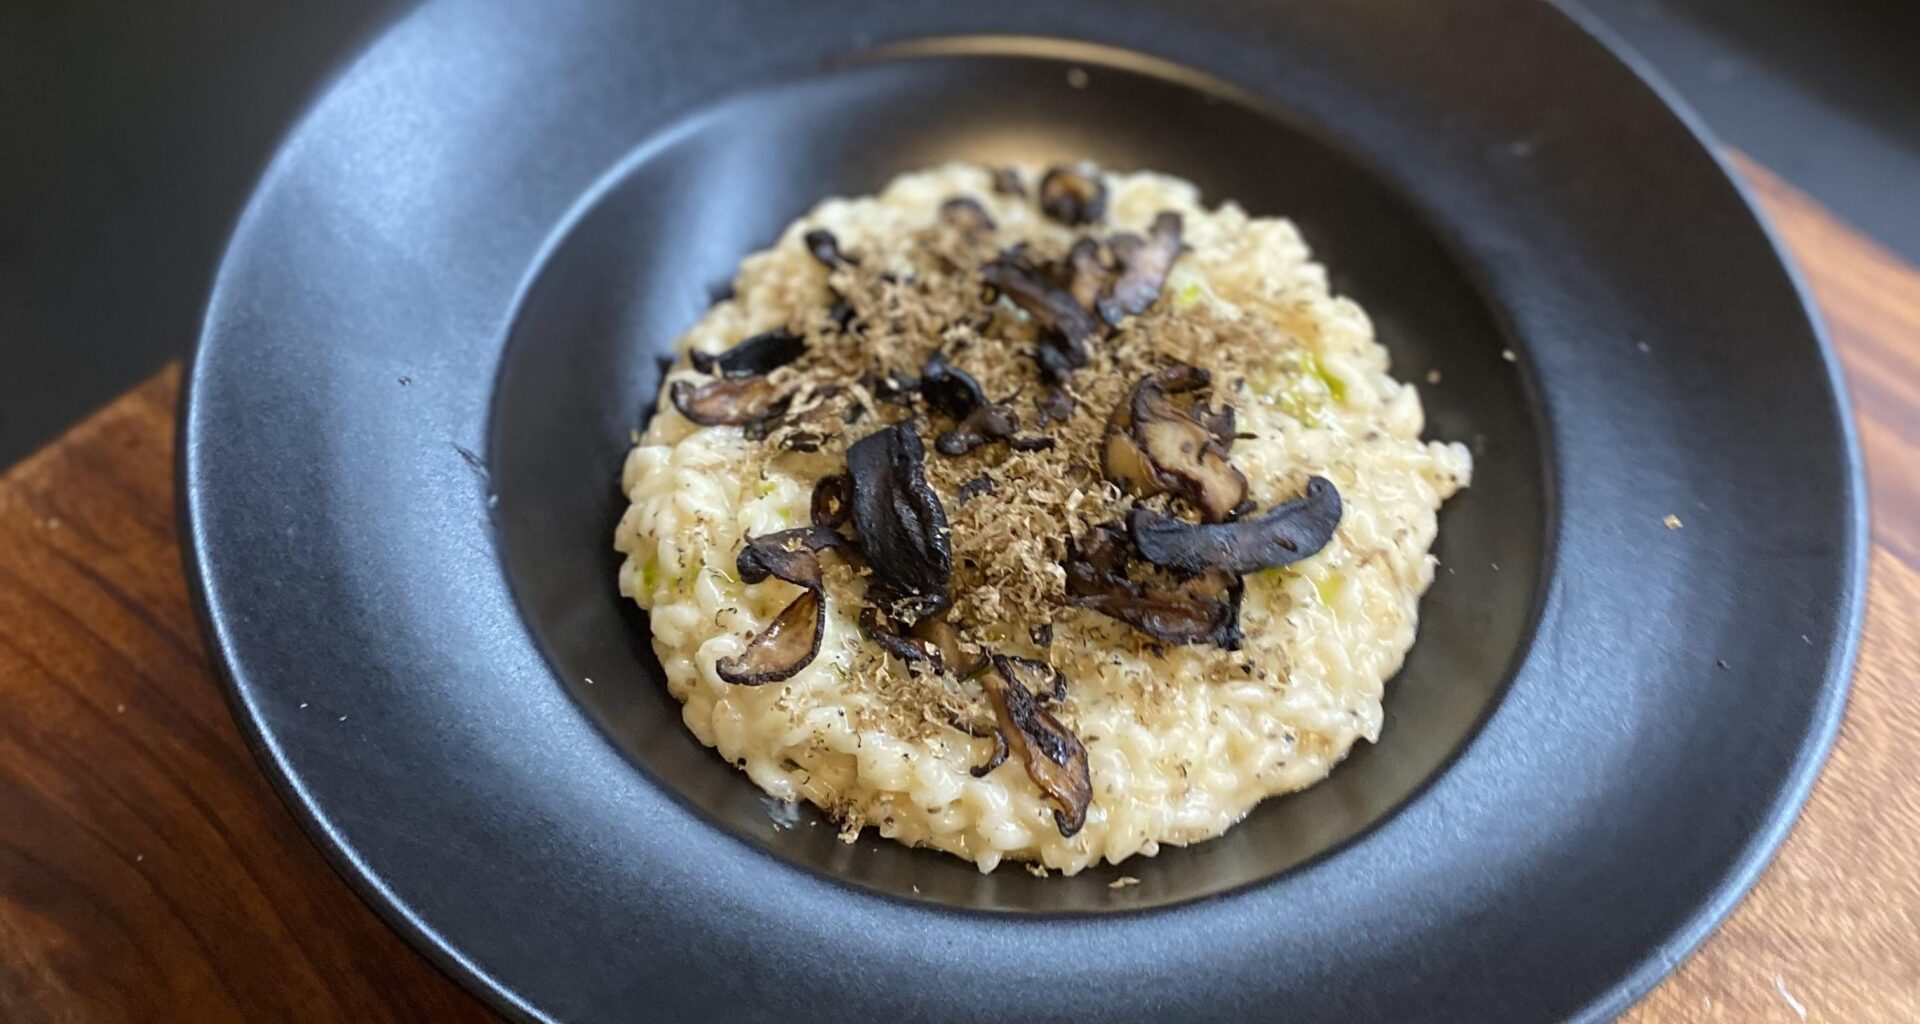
{"type": "Point", "coordinates": [130, 134]}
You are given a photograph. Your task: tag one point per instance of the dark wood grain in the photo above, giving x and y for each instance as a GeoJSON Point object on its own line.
{"type": "Point", "coordinates": [1832, 932]}
{"type": "Point", "coordinates": [147, 872]}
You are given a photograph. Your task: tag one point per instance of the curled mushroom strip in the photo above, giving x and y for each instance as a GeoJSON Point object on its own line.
{"type": "Point", "coordinates": [1054, 757]}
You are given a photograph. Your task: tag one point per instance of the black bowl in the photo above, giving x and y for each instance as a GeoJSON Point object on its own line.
{"type": "Point", "coordinates": [441, 317]}
{"type": "Point", "coordinates": [636, 267]}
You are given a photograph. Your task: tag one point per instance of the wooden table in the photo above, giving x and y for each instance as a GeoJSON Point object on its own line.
{"type": "Point", "coordinates": [148, 873]}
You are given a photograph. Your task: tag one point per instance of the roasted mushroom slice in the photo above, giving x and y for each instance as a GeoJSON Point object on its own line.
{"type": "Point", "coordinates": [932, 641]}
{"type": "Point", "coordinates": [949, 389]}
{"type": "Point", "coordinates": [762, 353]}
{"type": "Point", "coordinates": [1202, 610]}
{"type": "Point", "coordinates": [985, 424]}
{"type": "Point", "coordinates": [1047, 683]}
{"type": "Point", "coordinates": [1053, 308]}
{"type": "Point", "coordinates": [729, 401]}
{"type": "Point", "coordinates": [1187, 459]}
{"type": "Point", "coordinates": [982, 484]}
{"type": "Point", "coordinates": [1008, 182]}
{"type": "Point", "coordinates": [966, 213]}
{"type": "Point", "coordinates": [1143, 268]}
{"type": "Point", "coordinates": [1055, 759]}
{"type": "Point", "coordinates": [1086, 275]}
{"type": "Point", "coordinates": [1286, 534]}
{"type": "Point", "coordinates": [823, 246]}
{"type": "Point", "coordinates": [832, 501]}
{"type": "Point", "coordinates": [1153, 446]}
{"type": "Point", "coordinates": [786, 555]}
{"type": "Point", "coordinates": [1073, 195]}
{"type": "Point", "coordinates": [879, 627]}
{"type": "Point", "coordinates": [995, 759]}
{"type": "Point", "coordinates": [787, 645]}
{"type": "Point", "coordinates": [1056, 406]}
{"type": "Point", "coordinates": [902, 528]}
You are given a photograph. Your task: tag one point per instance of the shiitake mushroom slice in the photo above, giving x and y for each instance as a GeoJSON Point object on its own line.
{"type": "Point", "coordinates": [899, 520]}
{"type": "Point", "coordinates": [1152, 446]}
{"type": "Point", "coordinates": [823, 246]}
{"type": "Point", "coordinates": [786, 555]}
{"type": "Point", "coordinates": [966, 214]}
{"type": "Point", "coordinates": [728, 401]}
{"type": "Point", "coordinates": [1008, 182]}
{"type": "Point", "coordinates": [1086, 274]}
{"type": "Point", "coordinates": [1144, 266]}
{"type": "Point", "coordinates": [832, 501]}
{"type": "Point", "coordinates": [948, 389]}
{"type": "Point", "coordinates": [1053, 307]}
{"type": "Point", "coordinates": [1054, 757]}
{"type": "Point", "coordinates": [1286, 534]}
{"type": "Point", "coordinates": [1073, 195]}
{"type": "Point", "coordinates": [788, 644]}
{"type": "Point", "coordinates": [984, 425]}
{"type": "Point", "coordinates": [763, 353]}
{"type": "Point", "coordinates": [1202, 609]}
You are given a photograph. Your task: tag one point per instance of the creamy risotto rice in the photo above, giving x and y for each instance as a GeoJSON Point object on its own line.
{"type": "Point", "coordinates": [1143, 692]}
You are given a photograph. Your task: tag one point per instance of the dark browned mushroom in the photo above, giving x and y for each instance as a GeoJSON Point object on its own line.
{"type": "Point", "coordinates": [1056, 406]}
{"type": "Point", "coordinates": [1007, 182]}
{"type": "Point", "coordinates": [1153, 446]}
{"type": "Point", "coordinates": [949, 389]}
{"type": "Point", "coordinates": [1204, 609]}
{"type": "Point", "coordinates": [933, 641]}
{"type": "Point", "coordinates": [966, 214]}
{"type": "Point", "coordinates": [1086, 275]}
{"type": "Point", "coordinates": [1047, 683]}
{"type": "Point", "coordinates": [995, 759]}
{"type": "Point", "coordinates": [893, 388]}
{"type": "Point", "coordinates": [728, 401]}
{"type": "Point", "coordinates": [823, 246]}
{"type": "Point", "coordinates": [786, 555]}
{"type": "Point", "coordinates": [1286, 534]}
{"type": "Point", "coordinates": [1072, 195]}
{"type": "Point", "coordinates": [1052, 307]}
{"type": "Point", "coordinates": [985, 424]}
{"type": "Point", "coordinates": [1143, 268]}
{"type": "Point", "coordinates": [762, 353]}
{"type": "Point", "coordinates": [902, 528]}
{"type": "Point", "coordinates": [878, 626]}
{"type": "Point", "coordinates": [1055, 759]}
{"type": "Point", "coordinates": [832, 501]}
{"type": "Point", "coordinates": [982, 484]}
{"type": "Point", "coordinates": [788, 644]}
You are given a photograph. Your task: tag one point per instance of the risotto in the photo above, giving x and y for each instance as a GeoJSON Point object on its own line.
{"type": "Point", "coordinates": [1046, 517]}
